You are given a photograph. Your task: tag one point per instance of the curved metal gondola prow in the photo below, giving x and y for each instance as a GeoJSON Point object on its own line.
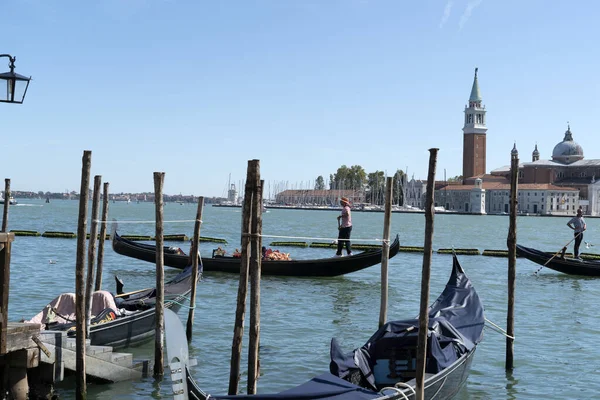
{"type": "Point", "coordinates": [178, 354]}
{"type": "Point", "coordinates": [113, 229]}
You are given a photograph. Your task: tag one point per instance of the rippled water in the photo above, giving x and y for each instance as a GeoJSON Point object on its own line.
{"type": "Point", "coordinates": [556, 325]}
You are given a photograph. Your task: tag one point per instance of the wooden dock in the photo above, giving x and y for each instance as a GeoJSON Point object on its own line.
{"type": "Point", "coordinates": [36, 359]}
{"type": "Point", "coordinates": [32, 360]}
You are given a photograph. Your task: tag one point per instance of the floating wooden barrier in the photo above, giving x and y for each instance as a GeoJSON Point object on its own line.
{"type": "Point", "coordinates": [137, 237]}
{"type": "Point", "coordinates": [291, 244]}
{"type": "Point", "coordinates": [181, 237]}
{"type": "Point", "coordinates": [212, 240]}
{"type": "Point", "coordinates": [411, 249]}
{"type": "Point", "coordinates": [323, 245]}
{"type": "Point", "coordinates": [106, 237]}
{"type": "Point", "coordinates": [55, 234]}
{"type": "Point", "coordinates": [355, 246]}
{"type": "Point", "coordinates": [360, 246]}
{"type": "Point", "coordinates": [25, 233]}
{"type": "Point", "coordinates": [464, 252]}
{"type": "Point", "coordinates": [495, 253]}
{"type": "Point", "coordinates": [590, 256]}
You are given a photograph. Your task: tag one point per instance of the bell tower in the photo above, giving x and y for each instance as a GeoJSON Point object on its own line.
{"type": "Point", "coordinates": [474, 148]}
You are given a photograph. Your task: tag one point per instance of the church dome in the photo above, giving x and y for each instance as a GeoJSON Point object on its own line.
{"type": "Point", "coordinates": [567, 151]}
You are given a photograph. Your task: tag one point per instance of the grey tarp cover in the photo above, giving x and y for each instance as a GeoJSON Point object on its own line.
{"type": "Point", "coordinates": [456, 323]}
{"type": "Point", "coordinates": [455, 317]}
{"type": "Point", "coordinates": [325, 386]}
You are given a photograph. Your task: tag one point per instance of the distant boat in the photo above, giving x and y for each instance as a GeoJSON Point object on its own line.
{"type": "Point", "coordinates": [11, 200]}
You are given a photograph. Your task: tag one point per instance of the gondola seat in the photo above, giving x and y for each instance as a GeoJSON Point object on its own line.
{"type": "Point", "coordinates": [394, 360]}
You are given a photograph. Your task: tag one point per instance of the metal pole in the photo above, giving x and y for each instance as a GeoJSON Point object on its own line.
{"type": "Point", "coordinates": [425, 276]}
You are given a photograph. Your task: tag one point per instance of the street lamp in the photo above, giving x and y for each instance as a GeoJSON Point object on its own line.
{"type": "Point", "coordinates": [16, 85]}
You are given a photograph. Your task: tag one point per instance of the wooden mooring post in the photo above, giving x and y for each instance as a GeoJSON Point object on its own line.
{"type": "Point", "coordinates": [6, 204]}
{"type": "Point", "coordinates": [5, 246]}
{"type": "Point", "coordinates": [426, 275]}
{"type": "Point", "coordinates": [81, 385]}
{"type": "Point", "coordinates": [195, 255]}
{"type": "Point", "coordinates": [240, 312]}
{"type": "Point", "coordinates": [385, 254]}
{"type": "Point", "coordinates": [255, 274]}
{"type": "Point", "coordinates": [89, 285]}
{"type": "Point", "coordinates": [100, 265]}
{"type": "Point", "coordinates": [512, 258]}
{"type": "Point", "coordinates": [159, 368]}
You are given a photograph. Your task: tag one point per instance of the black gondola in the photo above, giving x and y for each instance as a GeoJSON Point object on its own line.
{"type": "Point", "coordinates": [387, 362]}
{"type": "Point", "coordinates": [332, 266]}
{"type": "Point", "coordinates": [130, 320]}
{"type": "Point", "coordinates": [558, 262]}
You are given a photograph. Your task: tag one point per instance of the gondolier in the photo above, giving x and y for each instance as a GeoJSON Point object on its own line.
{"type": "Point", "coordinates": [345, 228]}
{"type": "Point", "coordinates": [577, 223]}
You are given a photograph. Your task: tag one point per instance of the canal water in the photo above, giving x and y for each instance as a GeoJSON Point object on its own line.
{"type": "Point", "coordinates": [557, 317]}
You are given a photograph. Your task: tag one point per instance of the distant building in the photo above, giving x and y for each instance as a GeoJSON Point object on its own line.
{"type": "Point", "coordinates": [566, 169]}
{"type": "Point", "coordinates": [546, 187]}
{"type": "Point", "coordinates": [318, 197]}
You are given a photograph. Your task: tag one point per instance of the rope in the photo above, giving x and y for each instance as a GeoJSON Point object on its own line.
{"type": "Point", "coordinates": [145, 222]}
{"type": "Point", "coordinates": [180, 304]}
{"type": "Point", "coordinates": [394, 389]}
{"type": "Point", "coordinates": [320, 238]}
{"type": "Point", "coordinates": [55, 311]}
{"type": "Point", "coordinates": [498, 329]}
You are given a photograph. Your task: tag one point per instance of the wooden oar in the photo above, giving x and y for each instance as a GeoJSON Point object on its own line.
{"type": "Point", "coordinates": [563, 249]}
{"type": "Point", "coordinates": [130, 293]}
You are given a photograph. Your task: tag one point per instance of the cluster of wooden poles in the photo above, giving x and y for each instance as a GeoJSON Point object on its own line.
{"type": "Point", "coordinates": [83, 287]}
{"type": "Point", "coordinates": [250, 272]}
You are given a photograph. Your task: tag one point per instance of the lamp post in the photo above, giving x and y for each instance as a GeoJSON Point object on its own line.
{"type": "Point", "coordinates": [16, 85]}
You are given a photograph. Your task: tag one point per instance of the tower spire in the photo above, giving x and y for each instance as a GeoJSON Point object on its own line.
{"type": "Point", "coordinates": [475, 94]}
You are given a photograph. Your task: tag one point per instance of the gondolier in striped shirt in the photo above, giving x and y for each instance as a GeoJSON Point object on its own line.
{"type": "Point", "coordinates": [345, 228]}
{"type": "Point", "coordinates": [577, 223]}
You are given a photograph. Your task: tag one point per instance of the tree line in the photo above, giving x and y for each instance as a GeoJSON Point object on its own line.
{"type": "Point", "coordinates": [373, 183]}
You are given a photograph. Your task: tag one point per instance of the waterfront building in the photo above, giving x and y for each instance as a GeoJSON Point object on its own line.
{"type": "Point", "coordinates": [566, 169]}
{"type": "Point", "coordinates": [546, 187]}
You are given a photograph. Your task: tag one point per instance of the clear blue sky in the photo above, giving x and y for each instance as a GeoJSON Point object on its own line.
{"type": "Point", "coordinates": [197, 88]}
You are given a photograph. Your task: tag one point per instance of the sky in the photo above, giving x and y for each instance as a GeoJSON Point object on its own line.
{"type": "Point", "coordinates": [197, 88]}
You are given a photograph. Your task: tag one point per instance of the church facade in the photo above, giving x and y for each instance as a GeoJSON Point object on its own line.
{"type": "Point", "coordinates": [546, 187]}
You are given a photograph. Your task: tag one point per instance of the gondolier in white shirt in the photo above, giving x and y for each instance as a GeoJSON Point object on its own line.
{"type": "Point", "coordinates": [577, 223]}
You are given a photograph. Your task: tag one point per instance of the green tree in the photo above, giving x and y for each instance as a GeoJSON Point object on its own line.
{"type": "Point", "coordinates": [376, 185]}
{"type": "Point", "coordinates": [319, 183]}
{"type": "Point", "coordinates": [352, 178]}
{"type": "Point", "coordinates": [398, 182]}
{"type": "Point", "coordinates": [457, 178]}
